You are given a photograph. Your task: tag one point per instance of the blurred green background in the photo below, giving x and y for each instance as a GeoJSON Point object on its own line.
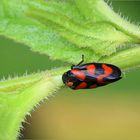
{"type": "Point", "coordinates": [108, 113]}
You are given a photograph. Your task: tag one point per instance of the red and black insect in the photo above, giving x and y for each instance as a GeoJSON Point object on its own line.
{"type": "Point", "coordinates": [91, 75]}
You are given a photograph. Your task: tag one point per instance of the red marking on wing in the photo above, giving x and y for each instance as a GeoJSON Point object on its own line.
{"type": "Point", "coordinates": [107, 72]}
{"type": "Point", "coordinates": [93, 86]}
{"type": "Point", "coordinates": [79, 74]}
{"type": "Point", "coordinates": [91, 69]}
{"type": "Point", "coordinates": [81, 85]}
{"type": "Point", "coordinates": [69, 84]}
{"type": "Point", "coordinates": [107, 69]}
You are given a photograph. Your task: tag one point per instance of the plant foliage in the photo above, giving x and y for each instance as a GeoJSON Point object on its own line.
{"type": "Point", "coordinates": [64, 30]}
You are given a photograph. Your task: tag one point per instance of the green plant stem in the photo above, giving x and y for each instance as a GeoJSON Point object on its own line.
{"type": "Point", "coordinates": [126, 59]}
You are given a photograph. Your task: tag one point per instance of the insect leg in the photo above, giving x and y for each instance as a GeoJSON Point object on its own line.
{"type": "Point", "coordinates": [72, 67]}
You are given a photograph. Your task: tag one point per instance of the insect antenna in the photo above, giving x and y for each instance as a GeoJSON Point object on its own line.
{"type": "Point", "coordinates": [79, 62]}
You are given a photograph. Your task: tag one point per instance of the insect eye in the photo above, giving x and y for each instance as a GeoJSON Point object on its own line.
{"type": "Point", "coordinates": [69, 74]}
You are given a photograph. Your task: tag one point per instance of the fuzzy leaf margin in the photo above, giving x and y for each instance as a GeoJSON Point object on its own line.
{"type": "Point", "coordinates": [19, 96]}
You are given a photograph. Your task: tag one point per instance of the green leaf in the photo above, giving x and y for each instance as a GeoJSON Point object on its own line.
{"type": "Point", "coordinates": [98, 11]}
{"type": "Point", "coordinates": [20, 95]}
{"type": "Point", "coordinates": [67, 29]}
